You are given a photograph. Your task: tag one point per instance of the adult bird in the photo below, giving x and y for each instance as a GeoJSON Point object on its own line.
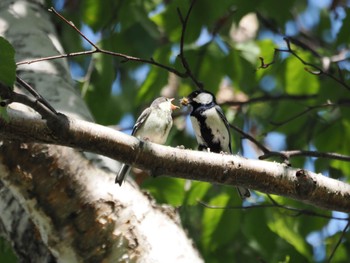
{"type": "Point", "coordinates": [152, 125]}
{"type": "Point", "coordinates": [210, 126]}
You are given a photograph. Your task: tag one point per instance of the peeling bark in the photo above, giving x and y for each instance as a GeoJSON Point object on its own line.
{"type": "Point", "coordinates": [68, 208]}
{"type": "Point", "coordinates": [81, 215]}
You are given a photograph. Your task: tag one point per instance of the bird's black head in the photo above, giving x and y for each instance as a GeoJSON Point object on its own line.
{"type": "Point", "coordinates": [199, 98]}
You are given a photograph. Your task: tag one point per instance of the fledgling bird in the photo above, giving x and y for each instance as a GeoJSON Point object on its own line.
{"type": "Point", "coordinates": [152, 125]}
{"type": "Point", "coordinates": [210, 126]}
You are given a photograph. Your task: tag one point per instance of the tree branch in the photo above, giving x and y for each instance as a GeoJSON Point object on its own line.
{"type": "Point", "coordinates": [268, 177]}
{"type": "Point", "coordinates": [187, 74]}
{"type": "Point", "coordinates": [319, 70]}
{"type": "Point", "coordinates": [99, 50]}
{"type": "Point", "coordinates": [267, 98]}
{"type": "Point", "coordinates": [184, 22]}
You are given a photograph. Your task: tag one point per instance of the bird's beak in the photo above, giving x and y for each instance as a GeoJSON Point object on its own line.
{"type": "Point", "coordinates": [172, 106]}
{"type": "Point", "coordinates": [184, 101]}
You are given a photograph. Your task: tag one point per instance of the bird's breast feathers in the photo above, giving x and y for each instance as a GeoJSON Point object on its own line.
{"type": "Point", "coordinates": [156, 127]}
{"type": "Point", "coordinates": [209, 126]}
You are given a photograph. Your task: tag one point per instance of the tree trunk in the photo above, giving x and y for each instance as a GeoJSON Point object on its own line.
{"type": "Point", "coordinates": [57, 205]}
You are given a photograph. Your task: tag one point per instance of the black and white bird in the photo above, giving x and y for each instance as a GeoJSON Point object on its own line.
{"type": "Point", "coordinates": [210, 126]}
{"type": "Point", "coordinates": [152, 125]}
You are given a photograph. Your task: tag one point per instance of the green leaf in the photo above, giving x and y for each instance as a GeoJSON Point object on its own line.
{"type": "Point", "coordinates": [166, 190]}
{"type": "Point", "coordinates": [343, 35]}
{"type": "Point", "coordinates": [219, 225]}
{"type": "Point", "coordinates": [128, 42]}
{"type": "Point", "coordinates": [196, 192]}
{"type": "Point", "coordinates": [98, 95]}
{"type": "Point", "coordinates": [156, 79]}
{"type": "Point", "coordinates": [7, 63]}
{"type": "Point", "coordinates": [97, 14]}
{"type": "Point", "coordinates": [342, 251]}
{"type": "Point", "coordinates": [240, 70]}
{"type": "Point", "coordinates": [257, 234]}
{"type": "Point", "coordinates": [288, 229]}
{"type": "Point", "coordinates": [298, 80]}
{"type": "Point", "coordinates": [170, 22]}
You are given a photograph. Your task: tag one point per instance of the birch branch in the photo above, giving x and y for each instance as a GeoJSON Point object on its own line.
{"type": "Point", "coordinates": [267, 177]}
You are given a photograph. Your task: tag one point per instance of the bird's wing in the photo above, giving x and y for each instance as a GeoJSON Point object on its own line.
{"type": "Point", "coordinates": [223, 117]}
{"type": "Point", "coordinates": [141, 120]}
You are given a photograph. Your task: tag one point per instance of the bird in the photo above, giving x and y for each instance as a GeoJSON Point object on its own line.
{"type": "Point", "coordinates": [210, 126]}
{"type": "Point", "coordinates": [152, 125]}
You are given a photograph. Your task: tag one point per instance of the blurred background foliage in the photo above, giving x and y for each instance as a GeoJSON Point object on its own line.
{"type": "Point", "coordinates": [301, 107]}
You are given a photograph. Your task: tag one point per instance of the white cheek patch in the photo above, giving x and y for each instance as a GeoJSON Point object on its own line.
{"type": "Point", "coordinates": [203, 98]}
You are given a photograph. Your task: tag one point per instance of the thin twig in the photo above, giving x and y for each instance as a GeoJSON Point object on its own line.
{"type": "Point", "coordinates": [68, 55]}
{"type": "Point", "coordinates": [296, 153]}
{"type": "Point", "coordinates": [299, 212]}
{"type": "Point", "coordinates": [9, 96]}
{"type": "Point", "coordinates": [339, 241]}
{"type": "Point", "coordinates": [125, 58]}
{"type": "Point", "coordinates": [36, 95]}
{"type": "Point", "coordinates": [319, 71]}
{"type": "Point", "coordinates": [73, 26]}
{"type": "Point", "coordinates": [311, 108]}
{"type": "Point", "coordinates": [263, 148]}
{"type": "Point", "coordinates": [296, 41]}
{"type": "Point", "coordinates": [184, 22]}
{"type": "Point", "coordinates": [267, 98]}
{"type": "Point", "coordinates": [251, 138]}
{"type": "Point", "coordinates": [36, 105]}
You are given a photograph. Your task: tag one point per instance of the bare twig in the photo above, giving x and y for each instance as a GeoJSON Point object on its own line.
{"type": "Point", "coordinates": [68, 55]}
{"type": "Point", "coordinates": [251, 138]}
{"type": "Point", "coordinates": [298, 212]}
{"type": "Point", "coordinates": [73, 26]}
{"type": "Point", "coordinates": [36, 95]}
{"type": "Point", "coordinates": [296, 41]}
{"type": "Point", "coordinates": [296, 153]}
{"type": "Point", "coordinates": [311, 108]}
{"type": "Point", "coordinates": [187, 74]}
{"type": "Point", "coordinates": [263, 148]}
{"type": "Point", "coordinates": [267, 98]}
{"type": "Point", "coordinates": [339, 241]}
{"type": "Point", "coordinates": [184, 22]}
{"type": "Point", "coordinates": [319, 70]}
{"type": "Point", "coordinates": [9, 96]}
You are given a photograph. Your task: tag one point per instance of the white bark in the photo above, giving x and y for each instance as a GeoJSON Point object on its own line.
{"type": "Point", "coordinates": [77, 212]}
{"type": "Point", "coordinates": [268, 177]}
{"type": "Point", "coordinates": [82, 216]}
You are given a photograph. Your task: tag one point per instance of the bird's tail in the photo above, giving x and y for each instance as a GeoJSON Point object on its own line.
{"type": "Point", "coordinates": [124, 170]}
{"type": "Point", "coordinates": [243, 192]}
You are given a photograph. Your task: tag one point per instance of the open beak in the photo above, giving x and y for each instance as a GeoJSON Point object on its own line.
{"type": "Point", "coordinates": [184, 101]}
{"type": "Point", "coordinates": [172, 106]}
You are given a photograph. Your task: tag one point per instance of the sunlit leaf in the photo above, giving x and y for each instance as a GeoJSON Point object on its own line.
{"type": "Point", "coordinates": [220, 225]}
{"type": "Point", "coordinates": [166, 190]}
{"type": "Point", "coordinates": [298, 80]}
{"type": "Point", "coordinates": [288, 229]}
{"type": "Point", "coordinates": [196, 192]}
